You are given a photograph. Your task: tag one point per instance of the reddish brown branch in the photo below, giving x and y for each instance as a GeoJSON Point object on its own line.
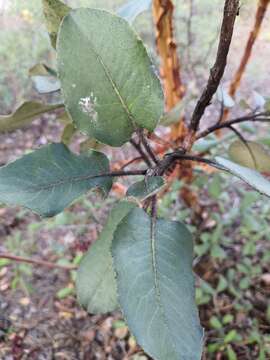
{"type": "Point", "coordinates": [37, 262]}
{"type": "Point", "coordinates": [260, 14]}
{"type": "Point", "coordinates": [166, 46]}
{"type": "Point", "coordinates": [259, 117]}
{"type": "Point", "coordinates": [262, 7]}
{"type": "Point", "coordinates": [216, 73]}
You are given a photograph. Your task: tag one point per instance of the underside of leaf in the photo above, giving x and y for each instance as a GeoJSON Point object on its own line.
{"type": "Point", "coordinates": [95, 282]}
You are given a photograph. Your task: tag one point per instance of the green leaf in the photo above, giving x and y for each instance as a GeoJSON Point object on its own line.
{"type": "Point", "coordinates": [68, 133]}
{"type": "Point", "coordinates": [133, 8]}
{"type": "Point", "coordinates": [65, 292]}
{"type": "Point", "coordinates": [146, 188]}
{"type": "Point", "coordinates": [267, 105]}
{"type": "Point", "coordinates": [90, 144]}
{"type": "Point", "coordinates": [252, 155]}
{"type": "Point", "coordinates": [24, 115]}
{"type": "Point", "coordinates": [173, 116]}
{"type": "Point", "coordinates": [231, 353]}
{"type": "Point", "coordinates": [156, 286]}
{"type": "Point", "coordinates": [54, 12]}
{"type": "Point", "coordinates": [251, 177]}
{"type": "Point", "coordinates": [96, 285]}
{"type": "Point", "coordinates": [42, 70]}
{"type": "Point", "coordinates": [51, 178]}
{"type": "Point", "coordinates": [108, 82]}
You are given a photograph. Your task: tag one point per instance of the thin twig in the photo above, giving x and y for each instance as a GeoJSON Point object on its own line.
{"type": "Point", "coordinates": [122, 173]}
{"type": "Point", "coordinates": [37, 262]}
{"type": "Point", "coordinates": [148, 148]}
{"type": "Point", "coordinates": [130, 162]}
{"type": "Point", "coordinates": [141, 152]}
{"type": "Point", "coordinates": [244, 141]}
{"type": "Point", "coordinates": [259, 117]}
{"type": "Point", "coordinates": [216, 73]}
{"type": "Point", "coordinates": [175, 156]}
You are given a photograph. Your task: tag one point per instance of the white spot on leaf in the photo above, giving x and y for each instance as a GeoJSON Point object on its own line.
{"type": "Point", "coordinates": [88, 105]}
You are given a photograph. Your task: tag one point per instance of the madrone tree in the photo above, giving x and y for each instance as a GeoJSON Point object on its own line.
{"type": "Point", "coordinates": [141, 264]}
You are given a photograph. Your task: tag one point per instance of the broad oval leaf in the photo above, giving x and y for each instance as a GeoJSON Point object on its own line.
{"type": "Point", "coordinates": [107, 79]}
{"type": "Point", "coordinates": [95, 281]}
{"type": "Point", "coordinates": [156, 286]}
{"type": "Point", "coordinates": [251, 177]}
{"type": "Point", "coordinates": [24, 115]}
{"type": "Point", "coordinates": [146, 188]}
{"type": "Point", "coordinates": [54, 12]}
{"type": "Point", "coordinates": [133, 8]}
{"type": "Point", "coordinates": [51, 178]}
{"type": "Point", "coordinates": [251, 155]}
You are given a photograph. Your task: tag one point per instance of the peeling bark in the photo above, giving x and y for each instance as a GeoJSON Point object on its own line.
{"type": "Point", "coordinates": [174, 88]}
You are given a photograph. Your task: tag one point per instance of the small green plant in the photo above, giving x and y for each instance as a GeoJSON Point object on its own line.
{"type": "Point", "coordinates": [141, 263]}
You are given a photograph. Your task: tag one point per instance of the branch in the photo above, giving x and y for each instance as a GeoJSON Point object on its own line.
{"type": "Point", "coordinates": [37, 262]}
{"type": "Point", "coordinates": [173, 157]}
{"type": "Point", "coordinates": [259, 117]}
{"type": "Point", "coordinates": [260, 14]}
{"type": "Point", "coordinates": [236, 81]}
{"type": "Point", "coordinates": [138, 147]}
{"type": "Point", "coordinates": [123, 173]}
{"type": "Point", "coordinates": [148, 148]}
{"type": "Point", "coordinates": [216, 73]}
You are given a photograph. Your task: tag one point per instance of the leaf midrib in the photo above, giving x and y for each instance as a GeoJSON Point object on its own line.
{"type": "Point", "coordinates": [156, 277]}
{"type": "Point", "coordinates": [64, 182]}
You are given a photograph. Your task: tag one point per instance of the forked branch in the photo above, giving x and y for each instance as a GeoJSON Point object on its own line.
{"type": "Point", "coordinates": [216, 73]}
{"type": "Point", "coordinates": [259, 117]}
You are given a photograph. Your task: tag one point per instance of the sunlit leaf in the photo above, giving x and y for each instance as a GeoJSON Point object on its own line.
{"type": "Point", "coordinates": [24, 115]}
{"type": "Point", "coordinates": [54, 12]}
{"type": "Point", "coordinates": [51, 178]}
{"type": "Point", "coordinates": [68, 133]}
{"type": "Point", "coordinates": [107, 79]}
{"type": "Point", "coordinates": [156, 286]}
{"type": "Point", "coordinates": [251, 155]}
{"type": "Point", "coordinates": [42, 70]}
